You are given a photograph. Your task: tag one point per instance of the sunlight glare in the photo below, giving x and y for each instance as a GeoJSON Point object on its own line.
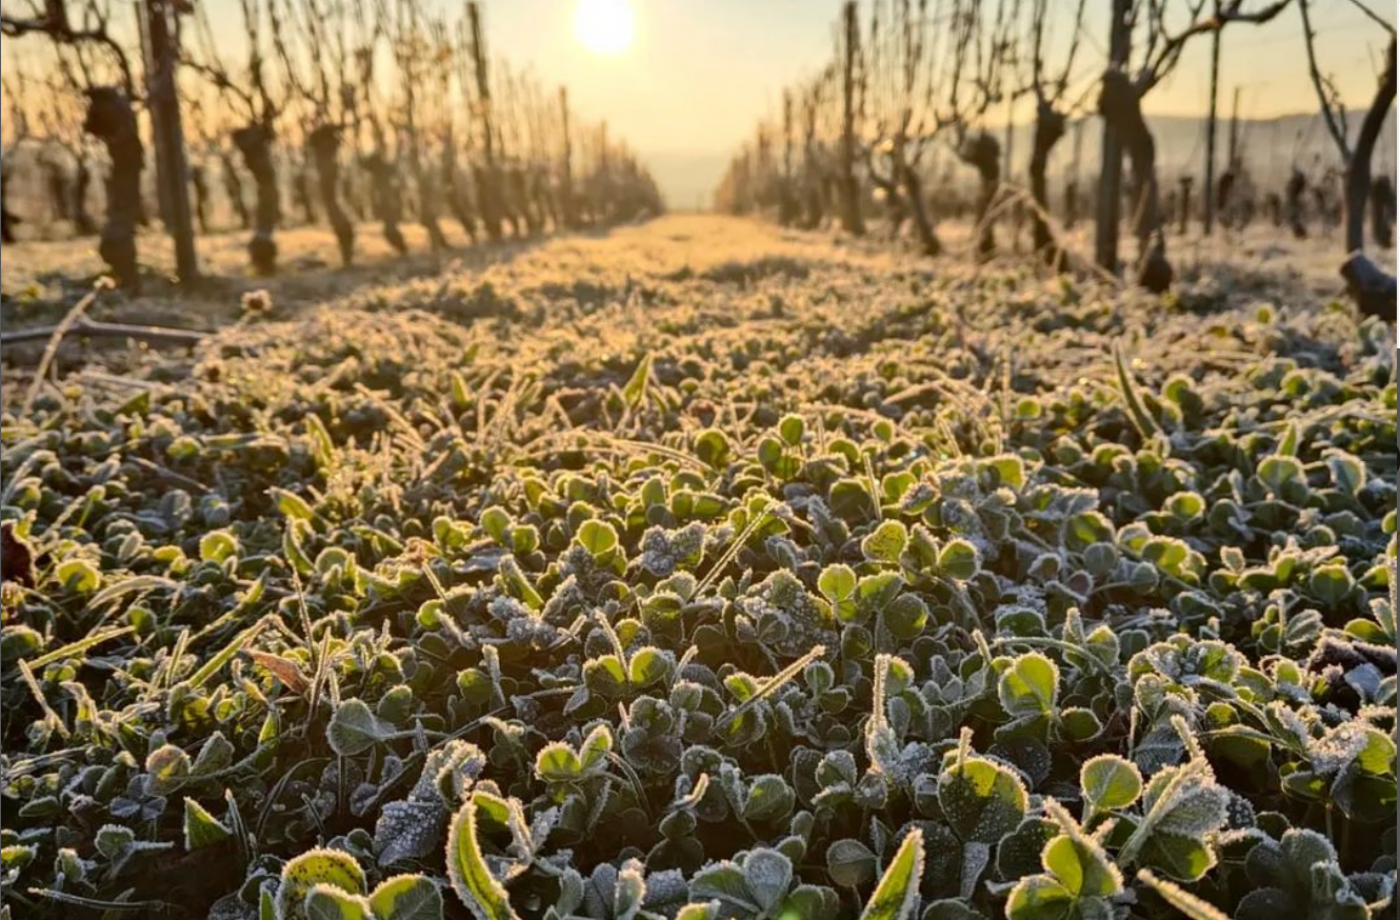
{"type": "Point", "coordinates": [604, 26]}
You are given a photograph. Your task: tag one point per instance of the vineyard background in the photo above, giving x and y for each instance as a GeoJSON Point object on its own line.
{"type": "Point", "coordinates": [986, 510]}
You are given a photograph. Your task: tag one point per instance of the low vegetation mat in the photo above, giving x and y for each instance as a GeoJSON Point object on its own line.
{"type": "Point", "coordinates": [784, 589]}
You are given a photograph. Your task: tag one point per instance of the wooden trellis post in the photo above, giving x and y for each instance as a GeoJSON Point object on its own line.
{"type": "Point", "coordinates": [566, 163]}
{"type": "Point", "coordinates": [850, 191]}
{"type": "Point", "coordinates": [787, 207]}
{"type": "Point", "coordinates": [172, 171]}
{"type": "Point", "coordinates": [1208, 192]}
{"type": "Point", "coordinates": [1111, 160]}
{"type": "Point", "coordinates": [488, 179]}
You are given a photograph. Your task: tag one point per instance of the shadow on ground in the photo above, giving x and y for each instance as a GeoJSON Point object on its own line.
{"type": "Point", "coordinates": [42, 280]}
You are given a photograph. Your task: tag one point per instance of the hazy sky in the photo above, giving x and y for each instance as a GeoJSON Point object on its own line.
{"type": "Point", "coordinates": [701, 73]}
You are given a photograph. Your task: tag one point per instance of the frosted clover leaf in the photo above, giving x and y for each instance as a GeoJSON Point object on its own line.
{"type": "Point", "coordinates": [917, 498]}
{"type": "Point", "coordinates": [412, 827]}
{"type": "Point", "coordinates": [652, 738]}
{"type": "Point", "coordinates": [354, 728]}
{"type": "Point", "coordinates": [621, 672]}
{"type": "Point", "coordinates": [1108, 782]}
{"type": "Point", "coordinates": [755, 886]}
{"type": "Point", "coordinates": [403, 897]}
{"type": "Point", "coordinates": [167, 768]}
{"type": "Point", "coordinates": [897, 895]}
{"type": "Point", "coordinates": [889, 762]}
{"type": "Point", "coordinates": [850, 863]}
{"type": "Point", "coordinates": [983, 802]}
{"type": "Point", "coordinates": [471, 877]}
{"type": "Point", "coordinates": [310, 870]}
{"type": "Point", "coordinates": [1299, 876]}
{"type": "Point", "coordinates": [1183, 807]}
{"type": "Point", "coordinates": [1353, 766]}
{"type": "Point", "coordinates": [1079, 878]}
{"type": "Point", "coordinates": [1351, 744]}
{"type": "Point", "coordinates": [118, 845]}
{"type": "Point", "coordinates": [1030, 686]}
{"type": "Point", "coordinates": [1029, 692]}
{"type": "Point", "coordinates": [837, 584]}
{"type": "Point", "coordinates": [610, 893]}
{"type": "Point", "coordinates": [664, 551]}
{"type": "Point", "coordinates": [202, 829]}
{"type": "Point", "coordinates": [523, 625]}
{"type": "Point", "coordinates": [505, 608]}
{"type": "Point", "coordinates": [1190, 663]}
{"type": "Point", "coordinates": [559, 763]}
{"type": "Point", "coordinates": [406, 897]}
{"type": "Point", "coordinates": [787, 618]}
{"type": "Point", "coordinates": [535, 633]}
{"type": "Point", "coordinates": [408, 830]}
{"type": "Point", "coordinates": [1288, 726]}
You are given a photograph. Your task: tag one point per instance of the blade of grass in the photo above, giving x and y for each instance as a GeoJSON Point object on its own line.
{"type": "Point", "coordinates": [82, 645]}
{"type": "Point", "coordinates": [1142, 421]}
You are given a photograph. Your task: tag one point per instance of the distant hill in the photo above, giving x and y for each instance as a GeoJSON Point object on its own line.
{"type": "Point", "coordinates": [688, 180]}
{"type": "Point", "coordinates": [1271, 147]}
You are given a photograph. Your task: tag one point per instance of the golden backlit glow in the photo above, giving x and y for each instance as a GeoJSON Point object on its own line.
{"type": "Point", "coordinates": [605, 26]}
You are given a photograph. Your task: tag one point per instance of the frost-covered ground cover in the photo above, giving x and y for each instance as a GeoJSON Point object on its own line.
{"type": "Point", "coordinates": [703, 571]}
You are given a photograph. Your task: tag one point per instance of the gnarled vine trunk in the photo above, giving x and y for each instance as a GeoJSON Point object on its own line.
{"type": "Point", "coordinates": [888, 189]}
{"type": "Point", "coordinates": [199, 183]}
{"type": "Point", "coordinates": [908, 176]}
{"type": "Point", "coordinates": [8, 220]}
{"type": "Point", "coordinates": [1072, 204]}
{"type": "Point", "coordinates": [59, 189]}
{"type": "Point", "coordinates": [254, 143]}
{"type": "Point", "coordinates": [1121, 107]}
{"type": "Point", "coordinates": [324, 143]}
{"type": "Point", "coordinates": [982, 152]}
{"type": "Point", "coordinates": [524, 207]}
{"type": "Point", "coordinates": [1225, 195]}
{"type": "Point", "coordinates": [815, 199]}
{"type": "Point", "coordinates": [111, 119]}
{"type": "Point", "coordinates": [1383, 212]}
{"type": "Point", "coordinates": [1183, 217]}
{"type": "Point", "coordinates": [788, 207]}
{"type": "Point", "coordinates": [540, 201]}
{"type": "Point", "coordinates": [1049, 128]}
{"type": "Point", "coordinates": [1295, 194]}
{"type": "Point", "coordinates": [306, 200]}
{"type": "Point", "coordinates": [388, 204]}
{"type": "Point", "coordinates": [1372, 287]}
{"type": "Point", "coordinates": [428, 193]}
{"type": "Point", "coordinates": [489, 199]}
{"type": "Point", "coordinates": [233, 188]}
{"type": "Point", "coordinates": [352, 193]}
{"type": "Point", "coordinates": [83, 223]}
{"type": "Point", "coordinates": [458, 196]}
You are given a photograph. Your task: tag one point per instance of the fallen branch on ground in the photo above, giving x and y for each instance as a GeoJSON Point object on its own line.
{"type": "Point", "coordinates": [163, 335]}
{"type": "Point", "coordinates": [75, 321]}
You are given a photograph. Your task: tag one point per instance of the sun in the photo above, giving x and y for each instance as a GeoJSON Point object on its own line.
{"type": "Point", "coordinates": [605, 26]}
